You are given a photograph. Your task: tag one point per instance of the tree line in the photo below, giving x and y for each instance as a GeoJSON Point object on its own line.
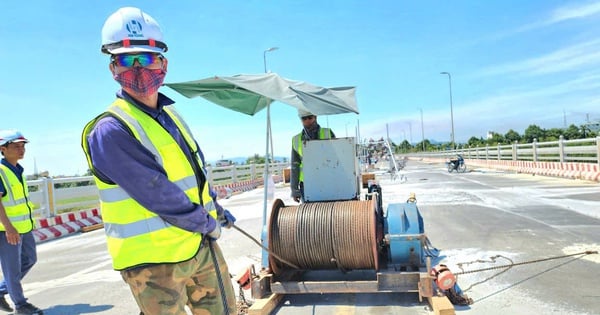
{"type": "Point", "coordinates": [511, 136]}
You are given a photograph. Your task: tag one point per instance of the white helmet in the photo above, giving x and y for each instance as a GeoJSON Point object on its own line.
{"type": "Point", "coordinates": [11, 135]}
{"type": "Point", "coordinates": [131, 30]}
{"type": "Point", "coordinates": [304, 113]}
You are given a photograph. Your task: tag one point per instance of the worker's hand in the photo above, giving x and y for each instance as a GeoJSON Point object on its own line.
{"type": "Point", "coordinates": [297, 199]}
{"type": "Point", "coordinates": [215, 233]}
{"type": "Point", "coordinates": [226, 219]}
{"type": "Point", "coordinates": [12, 236]}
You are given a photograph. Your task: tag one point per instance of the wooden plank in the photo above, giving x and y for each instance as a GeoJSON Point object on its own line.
{"type": "Point", "coordinates": [441, 305]}
{"type": "Point", "coordinates": [265, 306]}
{"type": "Point", "coordinates": [365, 179]}
{"type": "Point", "coordinates": [92, 227]}
{"type": "Point", "coordinates": [304, 287]}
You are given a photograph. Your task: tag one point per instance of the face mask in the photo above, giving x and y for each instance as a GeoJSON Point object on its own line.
{"type": "Point", "coordinates": [140, 80]}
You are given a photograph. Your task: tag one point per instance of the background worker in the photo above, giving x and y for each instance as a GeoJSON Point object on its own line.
{"type": "Point", "coordinates": [160, 216]}
{"type": "Point", "coordinates": [310, 131]}
{"type": "Point", "coordinates": [17, 244]}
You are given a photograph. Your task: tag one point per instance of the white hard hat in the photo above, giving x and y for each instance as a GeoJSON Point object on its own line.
{"type": "Point", "coordinates": [11, 135]}
{"type": "Point", "coordinates": [131, 30]}
{"type": "Point", "coordinates": [304, 113]}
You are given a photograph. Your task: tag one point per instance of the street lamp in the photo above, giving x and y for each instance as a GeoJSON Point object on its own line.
{"type": "Point", "coordinates": [422, 130]}
{"type": "Point", "coordinates": [451, 111]}
{"type": "Point", "coordinates": [265, 56]}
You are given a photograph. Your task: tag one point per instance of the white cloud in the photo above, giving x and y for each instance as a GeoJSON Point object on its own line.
{"type": "Point", "coordinates": [574, 12]}
{"type": "Point", "coordinates": [576, 57]}
{"type": "Point", "coordinates": [565, 13]}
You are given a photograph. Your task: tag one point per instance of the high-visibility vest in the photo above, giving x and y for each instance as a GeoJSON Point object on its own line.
{"type": "Point", "coordinates": [134, 234]}
{"type": "Point", "coordinates": [16, 201]}
{"type": "Point", "coordinates": [324, 133]}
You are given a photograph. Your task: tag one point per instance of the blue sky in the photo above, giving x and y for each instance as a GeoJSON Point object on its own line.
{"type": "Point", "coordinates": [513, 63]}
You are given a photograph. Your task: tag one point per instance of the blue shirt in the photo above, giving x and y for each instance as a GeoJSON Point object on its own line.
{"type": "Point", "coordinates": [118, 157]}
{"type": "Point", "coordinates": [18, 170]}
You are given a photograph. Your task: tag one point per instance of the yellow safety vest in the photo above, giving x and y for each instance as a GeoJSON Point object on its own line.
{"type": "Point", "coordinates": [16, 201]}
{"type": "Point", "coordinates": [134, 234]}
{"type": "Point", "coordinates": [324, 133]}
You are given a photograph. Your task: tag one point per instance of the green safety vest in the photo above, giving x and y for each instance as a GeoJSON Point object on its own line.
{"type": "Point", "coordinates": [324, 133]}
{"type": "Point", "coordinates": [134, 234]}
{"type": "Point", "coordinates": [15, 201]}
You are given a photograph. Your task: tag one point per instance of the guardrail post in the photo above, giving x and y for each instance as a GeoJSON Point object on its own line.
{"type": "Point", "coordinates": [498, 157]}
{"type": "Point", "coordinates": [253, 171]}
{"type": "Point", "coordinates": [561, 148]}
{"type": "Point", "coordinates": [234, 174]}
{"type": "Point", "coordinates": [514, 155]}
{"type": "Point", "coordinates": [487, 151]}
{"type": "Point", "coordinates": [209, 176]}
{"type": "Point", "coordinates": [49, 197]}
{"type": "Point", "coordinates": [534, 147]}
{"type": "Point", "coordinates": [598, 150]}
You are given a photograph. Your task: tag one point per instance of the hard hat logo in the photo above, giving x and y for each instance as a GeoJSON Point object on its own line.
{"type": "Point", "coordinates": [130, 30]}
{"type": "Point", "coordinates": [134, 28]}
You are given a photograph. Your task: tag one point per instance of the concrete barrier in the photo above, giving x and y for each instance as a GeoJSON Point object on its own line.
{"type": "Point", "coordinates": [64, 224]}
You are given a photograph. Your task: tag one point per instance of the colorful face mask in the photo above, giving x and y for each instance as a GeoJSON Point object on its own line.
{"type": "Point", "coordinates": [140, 80]}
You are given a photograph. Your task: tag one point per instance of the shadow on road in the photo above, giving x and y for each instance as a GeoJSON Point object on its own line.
{"type": "Point", "coordinates": [76, 309]}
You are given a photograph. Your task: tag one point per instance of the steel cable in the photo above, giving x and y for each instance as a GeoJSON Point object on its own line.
{"type": "Point", "coordinates": [324, 235]}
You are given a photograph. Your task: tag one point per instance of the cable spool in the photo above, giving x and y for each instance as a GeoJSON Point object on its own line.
{"type": "Point", "coordinates": [444, 278]}
{"type": "Point", "coordinates": [324, 235]}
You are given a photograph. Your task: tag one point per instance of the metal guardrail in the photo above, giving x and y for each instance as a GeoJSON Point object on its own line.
{"type": "Point", "coordinates": [579, 150]}
{"type": "Point", "coordinates": [52, 196]}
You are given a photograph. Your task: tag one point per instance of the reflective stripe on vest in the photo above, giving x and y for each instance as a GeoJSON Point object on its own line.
{"type": "Point", "coordinates": [15, 202]}
{"type": "Point", "coordinates": [324, 133]}
{"type": "Point", "coordinates": [136, 235]}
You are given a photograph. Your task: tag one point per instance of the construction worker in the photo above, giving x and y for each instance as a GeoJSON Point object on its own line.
{"type": "Point", "coordinates": [310, 131]}
{"type": "Point", "coordinates": [17, 244]}
{"type": "Point", "coordinates": [160, 216]}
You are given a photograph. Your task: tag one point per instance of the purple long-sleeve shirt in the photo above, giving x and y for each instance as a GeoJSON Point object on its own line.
{"type": "Point", "coordinates": [120, 158]}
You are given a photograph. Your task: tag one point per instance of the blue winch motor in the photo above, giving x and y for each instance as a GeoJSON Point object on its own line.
{"type": "Point", "coordinates": [405, 234]}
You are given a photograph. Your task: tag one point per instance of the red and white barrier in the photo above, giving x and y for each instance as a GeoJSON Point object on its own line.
{"type": "Point", "coordinates": [573, 170]}
{"type": "Point", "coordinates": [65, 224]}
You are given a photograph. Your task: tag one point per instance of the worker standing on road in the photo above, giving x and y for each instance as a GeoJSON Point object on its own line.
{"type": "Point", "coordinates": [17, 244]}
{"type": "Point", "coordinates": [160, 216]}
{"type": "Point", "coordinates": [310, 131]}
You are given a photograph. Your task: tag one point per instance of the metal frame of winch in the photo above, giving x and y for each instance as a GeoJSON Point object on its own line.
{"type": "Point", "coordinates": [338, 241]}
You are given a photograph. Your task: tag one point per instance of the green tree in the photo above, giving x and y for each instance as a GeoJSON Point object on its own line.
{"type": "Point", "coordinates": [572, 132]}
{"type": "Point", "coordinates": [256, 159]}
{"type": "Point", "coordinates": [511, 136]}
{"type": "Point", "coordinates": [553, 134]}
{"type": "Point", "coordinates": [533, 132]}
{"type": "Point", "coordinates": [475, 142]}
{"type": "Point", "coordinates": [495, 139]}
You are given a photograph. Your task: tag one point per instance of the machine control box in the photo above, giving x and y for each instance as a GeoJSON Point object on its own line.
{"type": "Point", "coordinates": [331, 170]}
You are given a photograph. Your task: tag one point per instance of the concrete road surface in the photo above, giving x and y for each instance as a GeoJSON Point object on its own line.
{"type": "Point", "coordinates": [471, 217]}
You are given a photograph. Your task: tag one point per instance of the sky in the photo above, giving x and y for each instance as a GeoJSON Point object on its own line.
{"type": "Point", "coordinates": [511, 64]}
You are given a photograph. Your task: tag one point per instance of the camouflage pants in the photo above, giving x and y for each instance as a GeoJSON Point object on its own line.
{"type": "Point", "coordinates": [167, 288]}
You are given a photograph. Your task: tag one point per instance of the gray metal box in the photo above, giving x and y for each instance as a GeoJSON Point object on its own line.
{"type": "Point", "coordinates": [331, 170]}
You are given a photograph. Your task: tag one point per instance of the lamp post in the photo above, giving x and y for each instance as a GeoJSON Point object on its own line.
{"type": "Point", "coordinates": [422, 130]}
{"type": "Point", "coordinates": [451, 111]}
{"type": "Point", "coordinates": [265, 56]}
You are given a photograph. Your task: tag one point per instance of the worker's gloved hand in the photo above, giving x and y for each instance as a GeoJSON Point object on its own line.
{"type": "Point", "coordinates": [215, 233]}
{"type": "Point", "coordinates": [226, 219]}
